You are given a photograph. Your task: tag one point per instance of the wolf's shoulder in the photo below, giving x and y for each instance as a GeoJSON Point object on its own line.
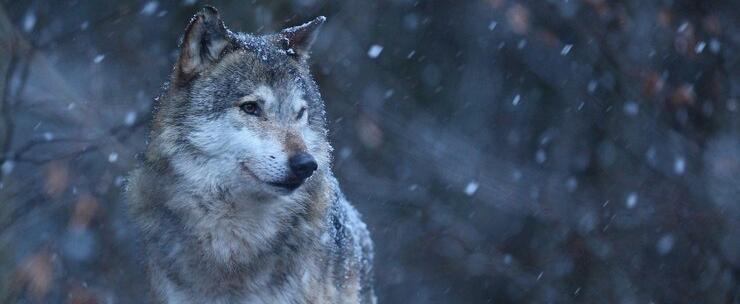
{"type": "Point", "coordinates": [346, 226]}
{"type": "Point", "coordinates": [141, 188]}
{"type": "Point", "coordinates": [352, 246]}
{"type": "Point", "coordinates": [146, 192]}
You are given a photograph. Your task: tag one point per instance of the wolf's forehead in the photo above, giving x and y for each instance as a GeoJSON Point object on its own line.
{"type": "Point", "coordinates": [262, 63]}
{"type": "Point", "coordinates": [249, 41]}
{"type": "Point", "coordinates": [261, 47]}
{"type": "Point", "coordinates": [290, 98]}
{"type": "Point", "coordinates": [247, 68]}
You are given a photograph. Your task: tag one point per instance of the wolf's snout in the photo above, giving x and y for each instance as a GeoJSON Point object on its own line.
{"type": "Point", "coordinates": [302, 165]}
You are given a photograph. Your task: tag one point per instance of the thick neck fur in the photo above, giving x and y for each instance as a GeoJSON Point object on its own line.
{"type": "Point", "coordinates": [222, 234]}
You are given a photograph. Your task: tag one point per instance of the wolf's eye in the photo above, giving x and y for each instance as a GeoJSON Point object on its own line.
{"type": "Point", "coordinates": [251, 108]}
{"type": "Point", "coordinates": [300, 114]}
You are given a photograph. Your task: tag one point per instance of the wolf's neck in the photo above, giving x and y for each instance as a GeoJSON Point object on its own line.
{"type": "Point", "coordinates": [241, 228]}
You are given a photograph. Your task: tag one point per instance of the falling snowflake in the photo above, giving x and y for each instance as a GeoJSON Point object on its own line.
{"type": "Point", "coordinates": [571, 184]}
{"type": "Point", "coordinates": [683, 27]}
{"type": "Point", "coordinates": [631, 201]}
{"type": "Point", "coordinates": [119, 181]}
{"type": "Point", "coordinates": [374, 51]}
{"type": "Point", "coordinates": [522, 43]}
{"type": "Point", "coordinates": [113, 157]}
{"type": "Point", "coordinates": [566, 49]}
{"type": "Point", "coordinates": [471, 188]}
{"type": "Point", "coordinates": [516, 100]}
{"type": "Point", "coordinates": [732, 105]}
{"type": "Point", "coordinates": [540, 156]}
{"type": "Point", "coordinates": [29, 21]}
{"type": "Point", "coordinates": [679, 166]}
{"type": "Point", "coordinates": [700, 47]}
{"type": "Point", "coordinates": [665, 244]}
{"type": "Point", "coordinates": [130, 118]}
{"type": "Point", "coordinates": [516, 175]}
{"type": "Point", "coordinates": [7, 167]}
{"type": "Point", "coordinates": [714, 45]}
{"type": "Point", "coordinates": [492, 25]}
{"type": "Point", "coordinates": [631, 108]}
{"type": "Point", "coordinates": [345, 152]}
{"type": "Point", "coordinates": [388, 93]}
{"type": "Point", "coordinates": [150, 7]}
{"type": "Point", "coordinates": [592, 86]}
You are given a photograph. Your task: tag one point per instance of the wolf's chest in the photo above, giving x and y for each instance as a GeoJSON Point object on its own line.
{"type": "Point", "coordinates": [234, 241]}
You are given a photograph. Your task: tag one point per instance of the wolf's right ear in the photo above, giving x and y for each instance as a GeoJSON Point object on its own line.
{"type": "Point", "coordinates": [297, 40]}
{"type": "Point", "coordinates": [205, 39]}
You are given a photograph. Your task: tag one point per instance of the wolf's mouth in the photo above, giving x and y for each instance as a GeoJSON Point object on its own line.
{"type": "Point", "coordinates": [289, 184]}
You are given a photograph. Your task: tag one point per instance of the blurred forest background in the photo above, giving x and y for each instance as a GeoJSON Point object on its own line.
{"type": "Point", "coordinates": [501, 151]}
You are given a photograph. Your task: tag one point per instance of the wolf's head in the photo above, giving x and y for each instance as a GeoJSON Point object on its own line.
{"type": "Point", "coordinates": [242, 111]}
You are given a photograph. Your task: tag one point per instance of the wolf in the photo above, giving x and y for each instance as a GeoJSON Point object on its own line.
{"type": "Point", "coordinates": [235, 197]}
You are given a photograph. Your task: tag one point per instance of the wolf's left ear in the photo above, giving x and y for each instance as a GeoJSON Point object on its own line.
{"type": "Point", "coordinates": [297, 40]}
{"type": "Point", "coordinates": [205, 38]}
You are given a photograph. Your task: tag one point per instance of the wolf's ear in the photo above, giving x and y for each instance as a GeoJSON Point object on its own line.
{"type": "Point", "coordinates": [297, 40]}
{"type": "Point", "coordinates": [205, 38]}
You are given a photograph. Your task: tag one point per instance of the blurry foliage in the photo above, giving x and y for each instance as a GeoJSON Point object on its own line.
{"type": "Point", "coordinates": [552, 151]}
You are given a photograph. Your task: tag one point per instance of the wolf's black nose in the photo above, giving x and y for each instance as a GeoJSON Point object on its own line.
{"type": "Point", "coordinates": [302, 165]}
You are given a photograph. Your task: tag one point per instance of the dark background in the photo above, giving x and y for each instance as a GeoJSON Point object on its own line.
{"type": "Point", "coordinates": [500, 151]}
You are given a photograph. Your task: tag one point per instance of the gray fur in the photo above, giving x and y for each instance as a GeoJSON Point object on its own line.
{"type": "Point", "coordinates": [216, 230]}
